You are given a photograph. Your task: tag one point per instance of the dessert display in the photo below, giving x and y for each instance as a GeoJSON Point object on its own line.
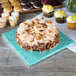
{"type": "Point", "coordinates": [60, 16]}
{"type": "Point", "coordinates": [22, 6]}
{"type": "Point", "coordinates": [47, 10]}
{"type": "Point", "coordinates": [71, 22]}
{"type": "Point", "coordinates": [2, 22]}
{"type": "Point", "coordinates": [37, 34]}
{"type": "Point", "coordinates": [12, 20]}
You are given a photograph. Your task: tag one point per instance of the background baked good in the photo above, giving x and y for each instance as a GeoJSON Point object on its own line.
{"type": "Point", "coordinates": [17, 8]}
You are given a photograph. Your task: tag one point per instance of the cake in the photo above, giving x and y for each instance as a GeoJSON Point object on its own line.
{"type": "Point", "coordinates": [71, 22]}
{"type": "Point", "coordinates": [48, 10]}
{"type": "Point", "coordinates": [5, 15]}
{"type": "Point", "coordinates": [37, 34]}
{"type": "Point", "coordinates": [60, 16]}
{"type": "Point", "coordinates": [12, 21]}
{"type": "Point", "coordinates": [2, 22]}
{"type": "Point", "coordinates": [16, 14]}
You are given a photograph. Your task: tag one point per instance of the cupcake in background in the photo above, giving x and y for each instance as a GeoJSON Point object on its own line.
{"type": "Point", "coordinates": [7, 9]}
{"type": "Point", "coordinates": [18, 8]}
{"type": "Point", "coordinates": [6, 4]}
{"type": "Point", "coordinates": [5, 15]}
{"type": "Point", "coordinates": [48, 10]}
{"type": "Point", "coordinates": [15, 3]}
{"type": "Point", "coordinates": [16, 14]}
{"type": "Point", "coordinates": [13, 21]}
{"type": "Point", "coordinates": [2, 22]}
{"type": "Point", "coordinates": [71, 22]}
{"type": "Point", "coordinates": [60, 16]}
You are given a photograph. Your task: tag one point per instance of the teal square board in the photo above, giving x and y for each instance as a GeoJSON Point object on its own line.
{"type": "Point", "coordinates": [33, 57]}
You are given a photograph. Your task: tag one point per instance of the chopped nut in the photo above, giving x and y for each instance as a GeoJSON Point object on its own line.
{"type": "Point", "coordinates": [38, 26]}
{"type": "Point", "coordinates": [22, 32]}
{"type": "Point", "coordinates": [49, 31]}
{"type": "Point", "coordinates": [50, 21]}
{"type": "Point", "coordinates": [24, 22]}
{"type": "Point", "coordinates": [36, 18]}
{"type": "Point", "coordinates": [41, 30]}
{"type": "Point", "coordinates": [38, 37]}
{"type": "Point", "coordinates": [45, 26]}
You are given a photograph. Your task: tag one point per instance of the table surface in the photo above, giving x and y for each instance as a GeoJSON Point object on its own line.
{"type": "Point", "coordinates": [60, 64]}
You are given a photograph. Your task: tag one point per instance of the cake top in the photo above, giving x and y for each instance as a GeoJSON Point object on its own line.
{"type": "Point", "coordinates": [47, 8]}
{"type": "Point", "coordinates": [60, 14]}
{"type": "Point", "coordinates": [71, 18]}
{"type": "Point", "coordinates": [35, 30]}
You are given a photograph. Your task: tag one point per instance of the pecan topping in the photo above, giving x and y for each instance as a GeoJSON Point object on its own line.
{"type": "Point", "coordinates": [41, 30]}
{"type": "Point", "coordinates": [38, 37]}
{"type": "Point", "coordinates": [38, 26]}
{"type": "Point", "coordinates": [50, 21]}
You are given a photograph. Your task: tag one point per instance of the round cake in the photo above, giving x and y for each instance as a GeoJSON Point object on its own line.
{"type": "Point", "coordinates": [37, 34]}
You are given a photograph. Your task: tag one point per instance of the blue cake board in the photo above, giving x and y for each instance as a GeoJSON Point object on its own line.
{"type": "Point", "coordinates": [33, 57]}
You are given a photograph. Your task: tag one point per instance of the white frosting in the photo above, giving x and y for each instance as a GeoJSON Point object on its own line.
{"type": "Point", "coordinates": [59, 14]}
{"type": "Point", "coordinates": [35, 36]}
{"type": "Point", "coordinates": [47, 8]}
{"type": "Point", "coordinates": [29, 22]}
{"type": "Point", "coordinates": [42, 21]}
{"type": "Point", "coordinates": [13, 18]}
{"type": "Point", "coordinates": [15, 14]}
{"type": "Point", "coordinates": [5, 14]}
{"type": "Point", "coordinates": [69, 19]}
